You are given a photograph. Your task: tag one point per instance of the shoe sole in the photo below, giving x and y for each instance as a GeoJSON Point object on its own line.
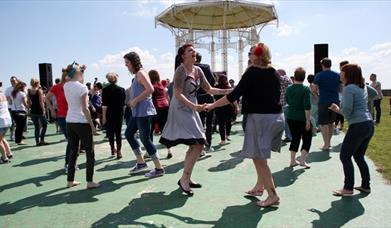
{"type": "Point", "coordinates": [138, 171]}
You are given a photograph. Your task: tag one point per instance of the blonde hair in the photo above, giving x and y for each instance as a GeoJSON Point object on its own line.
{"type": "Point", "coordinates": [34, 82]}
{"type": "Point", "coordinates": [264, 56]}
{"type": "Point", "coordinates": [112, 77]}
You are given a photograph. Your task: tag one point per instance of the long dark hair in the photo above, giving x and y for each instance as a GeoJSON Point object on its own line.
{"type": "Point", "coordinates": [18, 87]}
{"type": "Point", "coordinates": [222, 82]}
{"type": "Point", "coordinates": [178, 57]}
{"type": "Point", "coordinates": [135, 60]}
{"type": "Point", "coordinates": [353, 75]}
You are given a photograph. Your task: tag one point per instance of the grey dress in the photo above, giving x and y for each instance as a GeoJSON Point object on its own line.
{"type": "Point", "coordinates": [184, 125]}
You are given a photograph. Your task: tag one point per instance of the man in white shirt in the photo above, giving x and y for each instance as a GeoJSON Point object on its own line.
{"type": "Point", "coordinates": [11, 107]}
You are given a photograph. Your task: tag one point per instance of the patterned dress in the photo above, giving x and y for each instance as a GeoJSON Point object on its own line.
{"type": "Point", "coordinates": [184, 125]}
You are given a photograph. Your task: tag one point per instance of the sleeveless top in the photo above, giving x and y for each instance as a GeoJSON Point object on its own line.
{"type": "Point", "coordinates": [35, 106]}
{"type": "Point", "coordinates": [5, 117]}
{"type": "Point", "coordinates": [145, 107]}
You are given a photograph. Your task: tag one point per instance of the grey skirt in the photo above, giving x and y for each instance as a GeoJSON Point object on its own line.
{"type": "Point", "coordinates": [263, 135]}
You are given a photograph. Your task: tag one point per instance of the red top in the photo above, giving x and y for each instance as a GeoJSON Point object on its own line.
{"type": "Point", "coordinates": [62, 105]}
{"type": "Point", "coordinates": [159, 96]}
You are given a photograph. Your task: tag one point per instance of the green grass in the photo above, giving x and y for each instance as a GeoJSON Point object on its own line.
{"type": "Point", "coordinates": [380, 146]}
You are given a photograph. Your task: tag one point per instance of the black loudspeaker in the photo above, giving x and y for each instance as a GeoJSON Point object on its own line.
{"type": "Point", "coordinates": [320, 51]}
{"type": "Point", "coordinates": [45, 75]}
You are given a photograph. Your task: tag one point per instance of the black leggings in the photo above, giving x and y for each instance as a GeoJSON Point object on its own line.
{"type": "Point", "coordinates": [339, 119]}
{"type": "Point", "coordinates": [20, 118]}
{"type": "Point", "coordinates": [80, 132]}
{"type": "Point", "coordinates": [224, 118]}
{"type": "Point", "coordinates": [298, 132]}
{"type": "Point", "coordinates": [114, 128]}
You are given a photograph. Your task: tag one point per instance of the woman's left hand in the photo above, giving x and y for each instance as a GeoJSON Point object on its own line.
{"type": "Point", "coordinates": [132, 103]}
{"type": "Point", "coordinates": [308, 125]}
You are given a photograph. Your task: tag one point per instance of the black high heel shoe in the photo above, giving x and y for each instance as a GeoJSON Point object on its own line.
{"type": "Point", "coordinates": [188, 192]}
{"type": "Point", "coordinates": [194, 185]}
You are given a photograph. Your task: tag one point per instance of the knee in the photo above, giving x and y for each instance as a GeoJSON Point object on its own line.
{"type": "Point", "coordinates": [344, 156]}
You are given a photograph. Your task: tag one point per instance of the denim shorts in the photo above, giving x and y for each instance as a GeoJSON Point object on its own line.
{"type": "Point", "coordinates": [3, 130]}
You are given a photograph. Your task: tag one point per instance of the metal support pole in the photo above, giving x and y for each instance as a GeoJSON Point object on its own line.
{"type": "Point", "coordinates": [240, 56]}
{"type": "Point", "coordinates": [224, 52]}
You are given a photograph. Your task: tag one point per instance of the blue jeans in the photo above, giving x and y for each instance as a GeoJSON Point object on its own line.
{"type": "Point", "coordinates": [355, 144]}
{"type": "Point", "coordinates": [63, 126]}
{"type": "Point", "coordinates": [143, 125]}
{"type": "Point", "coordinates": [314, 115]}
{"type": "Point", "coordinates": [40, 126]}
{"type": "Point", "coordinates": [286, 128]}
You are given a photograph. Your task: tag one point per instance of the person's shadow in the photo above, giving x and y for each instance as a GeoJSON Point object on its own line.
{"type": "Point", "coordinates": [150, 203]}
{"type": "Point", "coordinates": [341, 212]}
{"type": "Point", "coordinates": [247, 215]}
{"type": "Point", "coordinates": [35, 180]}
{"type": "Point", "coordinates": [286, 176]}
{"type": "Point", "coordinates": [228, 164]}
{"type": "Point", "coordinates": [318, 156]}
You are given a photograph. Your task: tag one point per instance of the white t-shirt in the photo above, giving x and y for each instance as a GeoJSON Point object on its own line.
{"type": "Point", "coordinates": [5, 117]}
{"type": "Point", "coordinates": [73, 91]}
{"type": "Point", "coordinates": [7, 93]}
{"type": "Point", "coordinates": [17, 102]}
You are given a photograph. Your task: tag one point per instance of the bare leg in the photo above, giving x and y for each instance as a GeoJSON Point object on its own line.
{"type": "Point", "coordinates": [272, 198]}
{"type": "Point", "coordinates": [326, 136]}
{"type": "Point", "coordinates": [294, 162]}
{"type": "Point", "coordinates": [3, 151]}
{"type": "Point", "coordinates": [303, 158]}
{"type": "Point", "coordinates": [191, 157]}
{"type": "Point", "coordinates": [331, 131]}
{"type": "Point", "coordinates": [157, 164]}
{"type": "Point", "coordinates": [259, 186]}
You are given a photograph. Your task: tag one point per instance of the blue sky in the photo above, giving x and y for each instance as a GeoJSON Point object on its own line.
{"type": "Point", "coordinates": [98, 33]}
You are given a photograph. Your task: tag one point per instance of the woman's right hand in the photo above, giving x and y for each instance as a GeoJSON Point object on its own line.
{"type": "Point", "coordinates": [199, 108]}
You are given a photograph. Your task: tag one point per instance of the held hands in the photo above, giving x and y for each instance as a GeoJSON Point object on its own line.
{"type": "Point", "coordinates": [199, 108]}
{"type": "Point", "coordinates": [334, 107]}
{"type": "Point", "coordinates": [209, 107]}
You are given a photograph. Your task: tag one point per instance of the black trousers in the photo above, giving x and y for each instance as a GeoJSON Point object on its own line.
{"type": "Point", "coordinates": [339, 119]}
{"type": "Point", "coordinates": [80, 132]}
{"type": "Point", "coordinates": [377, 106]}
{"type": "Point", "coordinates": [20, 122]}
{"type": "Point", "coordinates": [207, 117]}
{"type": "Point", "coordinates": [299, 133]}
{"type": "Point", "coordinates": [224, 118]}
{"type": "Point", "coordinates": [160, 118]}
{"type": "Point", "coordinates": [114, 131]}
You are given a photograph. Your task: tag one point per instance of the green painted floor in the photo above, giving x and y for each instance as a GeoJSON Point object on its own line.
{"type": "Point", "coordinates": [33, 193]}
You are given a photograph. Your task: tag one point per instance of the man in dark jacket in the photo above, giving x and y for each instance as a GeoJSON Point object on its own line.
{"type": "Point", "coordinates": [202, 98]}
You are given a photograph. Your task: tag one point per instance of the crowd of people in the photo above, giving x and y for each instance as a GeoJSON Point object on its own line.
{"type": "Point", "coordinates": [188, 109]}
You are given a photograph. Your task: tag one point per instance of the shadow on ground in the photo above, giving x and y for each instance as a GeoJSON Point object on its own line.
{"type": "Point", "coordinates": [341, 212]}
{"type": "Point", "coordinates": [248, 215]}
{"type": "Point", "coordinates": [151, 203]}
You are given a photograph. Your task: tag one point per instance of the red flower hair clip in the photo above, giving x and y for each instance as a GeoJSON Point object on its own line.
{"type": "Point", "coordinates": [258, 51]}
